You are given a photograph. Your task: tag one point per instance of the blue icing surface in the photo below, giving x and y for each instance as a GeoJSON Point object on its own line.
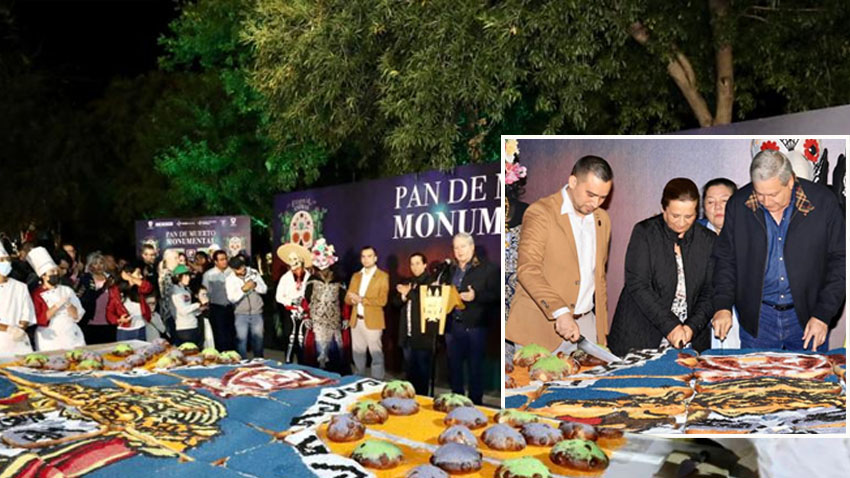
{"type": "Point", "coordinates": [233, 438]}
{"type": "Point", "coordinates": [515, 401]}
{"type": "Point", "coordinates": [558, 394]}
{"type": "Point", "coordinates": [637, 382]}
{"type": "Point", "coordinates": [262, 412]}
{"type": "Point", "coordinates": [200, 469]}
{"type": "Point", "coordinates": [7, 387]}
{"type": "Point", "coordinates": [273, 459]}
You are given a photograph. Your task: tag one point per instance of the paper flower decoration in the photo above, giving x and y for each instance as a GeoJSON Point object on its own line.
{"type": "Point", "coordinates": [323, 254]}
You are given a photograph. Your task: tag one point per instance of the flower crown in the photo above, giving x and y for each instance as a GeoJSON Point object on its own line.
{"type": "Point", "coordinates": [323, 254]}
{"type": "Point", "coordinates": [513, 170]}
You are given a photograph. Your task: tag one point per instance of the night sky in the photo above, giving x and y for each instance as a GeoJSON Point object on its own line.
{"type": "Point", "coordinates": [87, 43]}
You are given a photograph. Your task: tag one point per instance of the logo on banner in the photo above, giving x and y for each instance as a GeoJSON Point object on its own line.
{"type": "Point", "coordinates": [301, 222]}
{"type": "Point", "coordinates": [150, 224]}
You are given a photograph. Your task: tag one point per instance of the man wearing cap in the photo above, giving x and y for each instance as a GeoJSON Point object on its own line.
{"type": "Point", "coordinates": [57, 308]}
{"type": "Point", "coordinates": [16, 310]}
{"type": "Point", "coordinates": [368, 292]}
{"type": "Point", "coordinates": [290, 291]}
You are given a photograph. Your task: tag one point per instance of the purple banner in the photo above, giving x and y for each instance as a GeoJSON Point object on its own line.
{"type": "Point", "coordinates": [188, 235]}
{"type": "Point", "coordinates": [398, 216]}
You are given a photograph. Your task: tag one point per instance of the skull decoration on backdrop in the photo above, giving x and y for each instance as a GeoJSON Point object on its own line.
{"type": "Point", "coordinates": [804, 154]}
{"type": "Point", "coordinates": [809, 161]}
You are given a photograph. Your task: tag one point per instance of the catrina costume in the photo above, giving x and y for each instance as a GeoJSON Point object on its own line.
{"type": "Point", "coordinates": [328, 339]}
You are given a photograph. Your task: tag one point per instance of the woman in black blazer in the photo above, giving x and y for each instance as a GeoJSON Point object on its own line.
{"type": "Point", "coordinates": [667, 297]}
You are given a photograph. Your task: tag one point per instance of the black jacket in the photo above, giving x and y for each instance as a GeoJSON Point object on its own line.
{"type": "Point", "coordinates": [813, 255]}
{"type": "Point", "coordinates": [644, 317]}
{"type": "Point", "coordinates": [486, 281]}
{"type": "Point", "coordinates": [413, 306]}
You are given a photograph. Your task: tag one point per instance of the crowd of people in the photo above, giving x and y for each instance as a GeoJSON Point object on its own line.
{"type": "Point", "coordinates": [325, 317]}
{"type": "Point", "coordinates": [56, 301]}
{"type": "Point", "coordinates": [765, 267]}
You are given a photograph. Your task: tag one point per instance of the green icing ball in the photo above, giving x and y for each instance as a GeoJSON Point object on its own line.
{"type": "Point", "coordinates": [209, 351]}
{"type": "Point", "coordinates": [373, 449]}
{"type": "Point", "coordinates": [455, 399]}
{"type": "Point", "coordinates": [231, 354]}
{"type": "Point", "coordinates": [90, 364]}
{"type": "Point", "coordinates": [581, 449]}
{"type": "Point", "coordinates": [123, 348]}
{"type": "Point", "coordinates": [398, 385]}
{"type": "Point", "coordinates": [187, 346]}
{"type": "Point", "coordinates": [366, 405]}
{"type": "Point", "coordinates": [550, 364]}
{"type": "Point", "coordinates": [531, 350]}
{"type": "Point", "coordinates": [526, 467]}
{"type": "Point", "coordinates": [164, 362]}
{"type": "Point", "coordinates": [518, 415]}
{"type": "Point", "coordinates": [36, 357]}
{"type": "Point", "coordinates": [74, 354]}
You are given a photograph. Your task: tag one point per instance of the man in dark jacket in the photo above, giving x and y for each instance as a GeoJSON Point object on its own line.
{"type": "Point", "coordinates": [479, 284]}
{"type": "Point", "coordinates": [780, 259]}
{"type": "Point", "coordinates": [415, 344]}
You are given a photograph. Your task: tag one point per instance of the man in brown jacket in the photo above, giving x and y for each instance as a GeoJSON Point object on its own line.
{"type": "Point", "coordinates": [368, 293]}
{"type": "Point", "coordinates": [561, 292]}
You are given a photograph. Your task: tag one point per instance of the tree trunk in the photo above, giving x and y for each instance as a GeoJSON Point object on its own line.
{"type": "Point", "coordinates": [681, 71]}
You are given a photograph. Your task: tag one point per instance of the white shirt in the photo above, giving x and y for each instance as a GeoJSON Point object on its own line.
{"type": "Point", "coordinates": [214, 281]}
{"type": "Point", "coordinates": [233, 285]}
{"type": "Point", "coordinates": [56, 295]}
{"type": "Point", "coordinates": [15, 303]}
{"type": "Point", "coordinates": [364, 284]}
{"type": "Point", "coordinates": [584, 234]}
{"type": "Point", "coordinates": [185, 311]}
{"type": "Point", "coordinates": [137, 321]}
{"type": "Point", "coordinates": [288, 291]}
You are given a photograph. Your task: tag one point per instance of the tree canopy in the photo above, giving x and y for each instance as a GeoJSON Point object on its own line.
{"type": "Point", "coordinates": [255, 97]}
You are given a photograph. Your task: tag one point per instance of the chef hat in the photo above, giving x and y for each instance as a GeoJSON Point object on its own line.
{"type": "Point", "coordinates": [3, 252]}
{"type": "Point", "coordinates": [40, 261]}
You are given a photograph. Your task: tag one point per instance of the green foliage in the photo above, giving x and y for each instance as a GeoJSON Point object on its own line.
{"type": "Point", "coordinates": [414, 85]}
{"type": "Point", "coordinates": [223, 162]}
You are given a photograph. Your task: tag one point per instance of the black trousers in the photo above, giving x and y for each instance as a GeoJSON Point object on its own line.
{"type": "Point", "coordinates": [223, 327]}
{"type": "Point", "coordinates": [189, 335]}
{"type": "Point", "coordinates": [288, 327]}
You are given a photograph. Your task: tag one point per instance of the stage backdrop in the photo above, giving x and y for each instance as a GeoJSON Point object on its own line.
{"type": "Point", "coordinates": [641, 169]}
{"type": "Point", "coordinates": [398, 216]}
{"type": "Point", "coordinates": [231, 233]}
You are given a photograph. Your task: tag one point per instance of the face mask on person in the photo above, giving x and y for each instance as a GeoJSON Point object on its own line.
{"type": "Point", "coordinates": [53, 279]}
{"type": "Point", "coordinates": [5, 269]}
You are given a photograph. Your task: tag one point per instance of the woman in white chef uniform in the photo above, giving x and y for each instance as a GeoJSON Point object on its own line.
{"type": "Point", "coordinates": [57, 307]}
{"type": "Point", "coordinates": [16, 311]}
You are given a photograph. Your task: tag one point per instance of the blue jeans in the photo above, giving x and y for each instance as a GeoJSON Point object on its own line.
{"type": "Point", "coordinates": [138, 334]}
{"type": "Point", "coordinates": [253, 325]}
{"type": "Point", "coordinates": [778, 330]}
{"type": "Point", "coordinates": [467, 345]}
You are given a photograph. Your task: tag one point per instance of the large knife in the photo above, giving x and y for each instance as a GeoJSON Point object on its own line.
{"type": "Point", "coordinates": [592, 349]}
